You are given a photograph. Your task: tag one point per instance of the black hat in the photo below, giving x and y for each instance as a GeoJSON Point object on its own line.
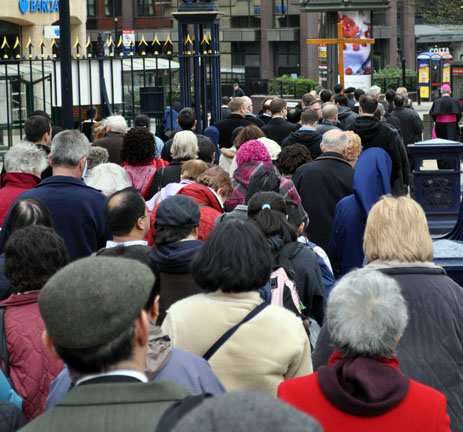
{"type": "Point", "coordinates": [177, 211]}
{"type": "Point", "coordinates": [349, 90]}
{"type": "Point", "coordinates": [142, 120]}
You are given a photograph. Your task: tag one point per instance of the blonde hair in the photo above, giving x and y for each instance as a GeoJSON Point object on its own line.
{"type": "Point", "coordinates": [99, 130]}
{"type": "Point", "coordinates": [354, 146]}
{"type": "Point", "coordinates": [192, 169]}
{"type": "Point", "coordinates": [402, 91]}
{"type": "Point", "coordinates": [397, 230]}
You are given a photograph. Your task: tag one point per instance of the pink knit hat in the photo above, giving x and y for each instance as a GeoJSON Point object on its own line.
{"type": "Point", "coordinates": [252, 151]}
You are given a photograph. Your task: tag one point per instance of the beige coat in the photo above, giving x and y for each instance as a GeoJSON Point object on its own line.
{"type": "Point", "coordinates": [269, 349]}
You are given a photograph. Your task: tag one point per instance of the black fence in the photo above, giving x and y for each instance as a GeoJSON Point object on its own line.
{"type": "Point", "coordinates": [396, 82]}
{"type": "Point", "coordinates": [125, 79]}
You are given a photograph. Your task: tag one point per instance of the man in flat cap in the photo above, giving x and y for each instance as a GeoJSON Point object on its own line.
{"type": "Point", "coordinates": [95, 320]}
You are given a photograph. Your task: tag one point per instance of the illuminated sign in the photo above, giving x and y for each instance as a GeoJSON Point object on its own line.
{"type": "Point", "coordinates": [38, 6]}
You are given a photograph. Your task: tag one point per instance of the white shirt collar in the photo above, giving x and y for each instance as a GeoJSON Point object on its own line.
{"type": "Point", "coordinates": [124, 372]}
{"type": "Point", "coordinates": [111, 243]}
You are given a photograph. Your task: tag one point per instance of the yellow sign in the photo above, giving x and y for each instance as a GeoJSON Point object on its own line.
{"type": "Point", "coordinates": [423, 75]}
{"type": "Point", "coordinates": [446, 73]}
{"type": "Point", "coordinates": [424, 92]}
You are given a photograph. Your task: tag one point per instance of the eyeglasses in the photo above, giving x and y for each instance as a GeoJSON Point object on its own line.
{"type": "Point", "coordinates": [147, 214]}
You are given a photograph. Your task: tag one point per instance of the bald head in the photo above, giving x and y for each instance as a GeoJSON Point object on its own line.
{"type": "Point", "coordinates": [248, 102]}
{"type": "Point", "coordinates": [334, 140]}
{"type": "Point", "coordinates": [330, 112]}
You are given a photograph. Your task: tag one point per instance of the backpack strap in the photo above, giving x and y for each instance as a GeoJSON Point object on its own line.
{"type": "Point", "coordinates": [178, 409]}
{"type": "Point", "coordinates": [228, 334]}
{"type": "Point", "coordinates": [5, 359]}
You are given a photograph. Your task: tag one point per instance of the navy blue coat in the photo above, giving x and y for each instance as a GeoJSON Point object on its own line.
{"type": "Point", "coordinates": [77, 213]}
{"type": "Point", "coordinates": [371, 181]}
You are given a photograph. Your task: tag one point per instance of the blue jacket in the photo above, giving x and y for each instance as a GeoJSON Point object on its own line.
{"type": "Point", "coordinates": [371, 181]}
{"type": "Point", "coordinates": [77, 213]}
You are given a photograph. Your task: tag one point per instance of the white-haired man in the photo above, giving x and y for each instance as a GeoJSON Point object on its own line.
{"type": "Point", "coordinates": [76, 209]}
{"type": "Point", "coordinates": [322, 183]}
{"type": "Point", "coordinates": [116, 127]}
{"type": "Point", "coordinates": [249, 114]}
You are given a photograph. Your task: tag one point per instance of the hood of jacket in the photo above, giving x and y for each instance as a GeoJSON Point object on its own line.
{"type": "Point", "coordinates": [372, 177]}
{"type": "Point", "coordinates": [175, 257]}
{"type": "Point", "coordinates": [203, 196]}
{"type": "Point", "coordinates": [366, 127]}
{"type": "Point", "coordinates": [344, 112]}
{"type": "Point", "coordinates": [306, 136]}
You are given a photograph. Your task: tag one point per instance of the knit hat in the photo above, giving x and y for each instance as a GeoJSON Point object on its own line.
{"type": "Point", "coordinates": [252, 151]}
{"type": "Point", "coordinates": [90, 302]}
{"type": "Point", "coordinates": [177, 211]}
{"type": "Point", "coordinates": [246, 411]}
{"type": "Point", "coordinates": [272, 147]}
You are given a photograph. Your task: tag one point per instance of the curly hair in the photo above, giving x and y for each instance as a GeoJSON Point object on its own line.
{"type": "Point", "coordinates": [138, 146]}
{"type": "Point", "coordinates": [354, 147]}
{"type": "Point", "coordinates": [292, 157]}
{"type": "Point", "coordinates": [248, 133]}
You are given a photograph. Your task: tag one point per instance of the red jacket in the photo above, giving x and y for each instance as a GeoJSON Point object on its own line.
{"type": "Point", "coordinates": [32, 369]}
{"type": "Point", "coordinates": [11, 185]}
{"type": "Point", "coordinates": [422, 410]}
{"type": "Point", "coordinates": [209, 206]}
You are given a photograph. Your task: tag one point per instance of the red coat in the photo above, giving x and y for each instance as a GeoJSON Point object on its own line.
{"type": "Point", "coordinates": [11, 185]}
{"type": "Point", "coordinates": [32, 369]}
{"type": "Point", "coordinates": [422, 410]}
{"type": "Point", "coordinates": [210, 209]}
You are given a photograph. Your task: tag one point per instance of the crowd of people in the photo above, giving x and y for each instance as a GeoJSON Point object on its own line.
{"type": "Point", "coordinates": [269, 273]}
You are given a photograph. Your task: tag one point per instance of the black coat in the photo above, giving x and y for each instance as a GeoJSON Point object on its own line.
{"type": "Point", "coordinates": [376, 134]}
{"type": "Point", "coordinates": [431, 348]}
{"type": "Point", "coordinates": [163, 176]}
{"type": "Point", "coordinates": [321, 184]}
{"type": "Point", "coordinates": [253, 119]}
{"type": "Point", "coordinates": [226, 128]}
{"type": "Point", "coordinates": [446, 105]}
{"type": "Point", "coordinates": [264, 117]}
{"type": "Point", "coordinates": [309, 138]}
{"type": "Point", "coordinates": [11, 417]}
{"type": "Point", "coordinates": [112, 142]}
{"type": "Point", "coordinates": [278, 129]}
{"type": "Point", "coordinates": [410, 124]}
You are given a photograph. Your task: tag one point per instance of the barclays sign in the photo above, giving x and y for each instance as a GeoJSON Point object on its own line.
{"type": "Point", "coordinates": [38, 6]}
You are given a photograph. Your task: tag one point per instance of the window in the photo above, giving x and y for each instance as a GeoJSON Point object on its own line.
{"type": "Point", "coordinates": [113, 8]}
{"type": "Point", "coordinates": [91, 8]}
{"type": "Point", "coordinates": [146, 8]}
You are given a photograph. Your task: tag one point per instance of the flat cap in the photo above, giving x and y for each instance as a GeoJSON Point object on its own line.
{"type": "Point", "coordinates": [177, 211]}
{"type": "Point", "coordinates": [90, 302]}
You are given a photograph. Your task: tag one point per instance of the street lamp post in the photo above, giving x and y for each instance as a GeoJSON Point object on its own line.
{"type": "Point", "coordinates": [67, 116]}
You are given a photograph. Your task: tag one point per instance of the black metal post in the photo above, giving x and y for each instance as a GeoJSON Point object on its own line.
{"type": "Point", "coordinates": [403, 72]}
{"type": "Point", "coordinates": [67, 117]}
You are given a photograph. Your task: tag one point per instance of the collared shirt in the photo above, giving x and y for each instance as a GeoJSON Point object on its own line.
{"type": "Point", "coordinates": [124, 372]}
{"type": "Point", "coordinates": [306, 128]}
{"type": "Point", "coordinates": [111, 243]}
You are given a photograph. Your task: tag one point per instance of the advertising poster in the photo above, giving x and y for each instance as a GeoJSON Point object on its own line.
{"type": "Point", "coordinates": [446, 73]}
{"type": "Point", "coordinates": [357, 56]}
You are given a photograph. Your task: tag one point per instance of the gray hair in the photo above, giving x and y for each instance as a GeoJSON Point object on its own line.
{"type": "Point", "coordinates": [184, 146]}
{"type": "Point", "coordinates": [334, 139]}
{"type": "Point", "coordinates": [366, 314]}
{"type": "Point", "coordinates": [381, 109]}
{"type": "Point", "coordinates": [68, 148]}
{"type": "Point", "coordinates": [117, 123]}
{"type": "Point", "coordinates": [24, 158]}
{"type": "Point", "coordinates": [374, 90]}
{"type": "Point", "coordinates": [107, 177]}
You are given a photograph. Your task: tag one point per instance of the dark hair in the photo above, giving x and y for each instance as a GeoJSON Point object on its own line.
{"type": "Point", "coordinates": [292, 157]}
{"type": "Point", "coordinates": [142, 120]}
{"type": "Point", "coordinates": [27, 211]}
{"type": "Point", "coordinates": [36, 127]}
{"type": "Point", "coordinates": [206, 149]}
{"type": "Point", "coordinates": [368, 103]}
{"type": "Point", "coordinates": [122, 210]}
{"type": "Point", "coordinates": [341, 99]}
{"type": "Point", "coordinates": [389, 95]}
{"type": "Point", "coordinates": [101, 358]}
{"type": "Point", "coordinates": [294, 115]}
{"type": "Point", "coordinates": [225, 100]}
{"type": "Point", "coordinates": [357, 93]}
{"type": "Point", "coordinates": [247, 133]}
{"type": "Point", "coordinates": [40, 113]}
{"type": "Point", "coordinates": [186, 118]}
{"type": "Point", "coordinates": [272, 221]}
{"type": "Point", "coordinates": [309, 116]}
{"type": "Point", "coordinates": [33, 254]}
{"type": "Point", "coordinates": [399, 100]}
{"type": "Point", "coordinates": [337, 88]}
{"type": "Point", "coordinates": [295, 214]}
{"type": "Point", "coordinates": [307, 98]}
{"type": "Point", "coordinates": [277, 105]}
{"type": "Point", "coordinates": [90, 113]}
{"type": "Point", "coordinates": [263, 181]}
{"type": "Point", "coordinates": [234, 258]}
{"type": "Point", "coordinates": [138, 146]}
{"type": "Point", "coordinates": [166, 235]}
{"type": "Point", "coordinates": [139, 253]}
{"type": "Point", "coordinates": [55, 130]}
{"type": "Point", "coordinates": [325, 96]}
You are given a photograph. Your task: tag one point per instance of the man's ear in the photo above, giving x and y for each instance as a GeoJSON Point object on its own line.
{"type": "Point", "coordinates": [82, 163]}
{"type": "Point", "coordinates": [49, 345]}
{"type": "Point", "coordinates": [49, 160]}
{"type": "Point", "coordinates": [142, 328]}
{"type": "Point", "coordinates": [153, 313]}
{"type": "Point", "coordinates": [195, 232]}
